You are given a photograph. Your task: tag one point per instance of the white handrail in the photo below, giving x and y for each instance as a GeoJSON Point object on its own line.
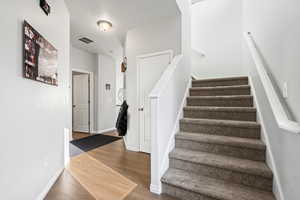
{"type": "Point", "coordinates": [161, 84]}
{"type": "Point", "coordinates": [199, 52]}
{"type": "Point", "coordinates": [281, 117]}
{"type": "Point", "coordinates": [195, 1]}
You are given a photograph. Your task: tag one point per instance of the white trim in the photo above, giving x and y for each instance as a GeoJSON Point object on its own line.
{"type": "Point", "coordinates": [170, 52]}
{"type": "Point", "coordinates": [171, 143]}
{"type": "Point", "coordinates": [103, 131]}
{"type": "Point", "coordinates": [281, 117]}
{"type": "Point", "coordinates": [270, 157]}
{"type": "Point", "coordinates": [195, 1]}
{"type": "Point", "coordinates": [155, 189]}
{"type": "Point", "coordinates": [167, 75]}
{"type": "Point", "coordinates": [218, 77]}
{"type": "Point", "coordinates": [130, 147]}
{"type": "Point", "coordinates": [159, 154]}
{"type": "Point", "coordinates": [49, 185]}
{"type": "Point", "coordinates": [92, 96]}
{"type": "Point", "coordinates": [81, 71]}
{"type": "Point", "coordinates": [67, 138]}
{"type": "Point", "coordinates": [138, 58]}
{"type": "Point", "coordinates": [199, 52]}
{"type": "Point", "coordinates": [156, 184]}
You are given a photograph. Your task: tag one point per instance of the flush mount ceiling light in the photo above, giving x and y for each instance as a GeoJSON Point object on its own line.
{"type": "Point", "coordinates": [104, 25]}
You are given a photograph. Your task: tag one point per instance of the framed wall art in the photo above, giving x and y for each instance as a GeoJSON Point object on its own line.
{"type": "Point", "coordinates": [40, 57]}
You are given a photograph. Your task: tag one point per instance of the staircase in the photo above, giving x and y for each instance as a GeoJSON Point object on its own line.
{"type": "Point", "coordinates": [218, 153]}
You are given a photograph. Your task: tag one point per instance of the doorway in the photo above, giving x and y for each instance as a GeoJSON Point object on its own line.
{"type": "Point", "coordinates": [150, 68]}
{"type": "Point", "coordinates": [82, 101]}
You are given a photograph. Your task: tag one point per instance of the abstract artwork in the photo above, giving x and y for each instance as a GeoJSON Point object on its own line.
{"type": "Point", "coordinates": [40, 57]}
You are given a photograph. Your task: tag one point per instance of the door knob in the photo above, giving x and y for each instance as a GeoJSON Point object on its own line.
{"type": "Point", "coordinates": [141, 109]}
{"type": "Point", "coordinates": [74, 106]}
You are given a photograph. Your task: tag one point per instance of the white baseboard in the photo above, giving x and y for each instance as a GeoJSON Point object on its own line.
{"type": "Point", "coordinates": [103, 131]}
{"type": "Point", "coordinates": [277, 188]}
{"type": "Point", "coordinates": [130, 147]}
{"type": "Point", "coordinates": [49, 185]}
{"type": "Point", "coordinates": [155, 189]}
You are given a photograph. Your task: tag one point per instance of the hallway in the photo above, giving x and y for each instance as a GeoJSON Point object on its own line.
{"type": "Point", "coordinates": [132, 165]}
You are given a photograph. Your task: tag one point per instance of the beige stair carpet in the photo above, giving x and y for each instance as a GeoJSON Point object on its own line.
{"type": "Point", "coordinates": [219, 154]}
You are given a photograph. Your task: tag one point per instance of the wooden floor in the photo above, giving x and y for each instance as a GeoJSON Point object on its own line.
{"type": "Point", "coordinates": [134, 166]}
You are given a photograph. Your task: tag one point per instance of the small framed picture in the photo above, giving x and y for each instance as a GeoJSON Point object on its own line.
{"type": "Point", "coordinates": [107, 86]}
{"type": "Point", "coordinates": [45, 6]}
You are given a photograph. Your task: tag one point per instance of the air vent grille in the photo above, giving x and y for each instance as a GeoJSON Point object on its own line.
{"type": "Point", "coordinates": [85, 40]}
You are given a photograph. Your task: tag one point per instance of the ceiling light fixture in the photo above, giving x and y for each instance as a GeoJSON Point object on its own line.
{"type": "Point", "coordinates": [104, 25]}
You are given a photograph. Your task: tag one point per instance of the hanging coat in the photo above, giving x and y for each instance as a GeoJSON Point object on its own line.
{"type": "Point", "coordinates": [122, 120]}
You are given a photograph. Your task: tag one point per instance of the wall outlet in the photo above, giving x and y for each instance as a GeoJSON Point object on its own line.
{"type": "Point", "coordinates": [285, 90]}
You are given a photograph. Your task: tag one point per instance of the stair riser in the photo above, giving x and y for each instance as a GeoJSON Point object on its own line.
{"type": "Point", "coordinates": [239, 152]}
{"type": "Point", "coordinates": [221, 130]}
{"type": "Point", "coordinates": [245, 102]}
{"type": "Point", "coordinates": [183, 194]}
{"type": "Point", "coordinates": [224, 174]}
{"type": "Point", "coordinates": [219, 83]}
{"type": "Point", "coordinates": [205, 114]}
{"type": "Point", "coordinates": [226, 92]}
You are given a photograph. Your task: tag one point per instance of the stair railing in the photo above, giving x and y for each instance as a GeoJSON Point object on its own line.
{"type": "Point", "coordinates": [166, 100]}
{"type": "Point", "coordinates": [278, 109]}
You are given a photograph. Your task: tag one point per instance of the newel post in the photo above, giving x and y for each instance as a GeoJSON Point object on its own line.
{"type": "Point", "coordinates": [155, 186]}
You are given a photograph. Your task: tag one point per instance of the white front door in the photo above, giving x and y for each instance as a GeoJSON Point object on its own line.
{"type": "Point", "coordinates": [151, 68]}
{"type": "Point", "coordinates": [81, 103]}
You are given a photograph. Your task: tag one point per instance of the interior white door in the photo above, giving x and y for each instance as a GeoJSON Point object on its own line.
{"type": "Point", "coordinates": [151, 68]}
{"type": "Point", "coordinates": [81, 103]}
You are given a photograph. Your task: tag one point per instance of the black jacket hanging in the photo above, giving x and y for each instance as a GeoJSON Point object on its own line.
{"type": "Point", "coordinates": [122, 120]}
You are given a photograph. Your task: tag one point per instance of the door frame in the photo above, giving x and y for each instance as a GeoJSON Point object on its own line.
{"type": "Point", "coordinates": [91, 99]}
{"type": "Point", "coordinates": [138, 58]}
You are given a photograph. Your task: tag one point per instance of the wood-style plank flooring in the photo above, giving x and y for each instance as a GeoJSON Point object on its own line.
{"type": "Point", "coordinates": [68, 188]}
{"type": "Point", "coordinates": [134, 166]}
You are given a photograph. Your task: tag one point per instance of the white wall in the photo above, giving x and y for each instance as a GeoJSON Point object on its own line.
{"type": "Point", "coordinates": [155, 37]}
{"type": "Point", "coordinates": [118, 57]}
{"type": "Point", "coordinates": [217, 32]}
{"type": "Point", "coordinates": [184, 7]}
{"type": "Point", "coordinates": [33, 115]}
{"type": "Point", "coordinates": [83, 60]}
{"type": "Point", "coordinates": [106, 98]}
{"type": "Point", "coordinates": [276, 32]}
{"type": "Point", "coordinates": [275, 29]}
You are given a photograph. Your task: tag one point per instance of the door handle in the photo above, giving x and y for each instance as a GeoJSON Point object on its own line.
{"type": "Point", "coordinates": [74, 106]}
{"type": "Point", "coordinates": [141, 109]}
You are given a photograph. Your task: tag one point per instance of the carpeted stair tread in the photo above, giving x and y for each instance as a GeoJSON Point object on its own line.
{"type": "Point", "coordinates": [213, 188]}
{"type": "Point", "coordinates": [220, 109]}
{"type": "Point", "coordinates": [223, 140]}
{"type": "Point", "coordinates": [217, 112]}
{"type": "Point", "coordinates": [222, 87]}
{"type": "Point", "coordinates": [222, 79]}
{"type": "Point", "coordinates": [221, 101]}
{"type": "Point", "coordinates": [228, 81]}
{"type": "Point", "coordinates": [221, 90]}
{"type": "Point", "coordinates": [214, 122]}
{"type": "Point", "coordinates": [223, 162]}
{"type": "Point", "coordinates": [229, 97]}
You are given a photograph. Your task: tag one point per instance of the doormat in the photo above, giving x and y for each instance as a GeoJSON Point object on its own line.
{"type": "Point", "coordinates": [93, 142]}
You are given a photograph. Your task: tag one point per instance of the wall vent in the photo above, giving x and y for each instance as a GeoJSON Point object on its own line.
{"type": "Point", "coordinates": [85, 40]}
